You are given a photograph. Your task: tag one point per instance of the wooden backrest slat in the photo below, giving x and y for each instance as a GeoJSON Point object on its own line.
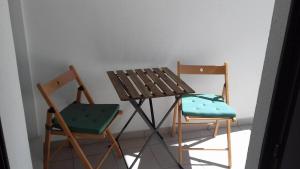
{"type": "Point", "coordinates": [179, 82]}
{"type": "Point", "coordinates": [209, 70]}
{"type": "Point", "coordinates": [155, 91]}
{"type": "Point", "coordinates": [168, 81]}
{"type": "Point", "coordinates": [128, 85]}
{"type": "Point", "coordinates": [142, 88]}
{"type": "Point", "coordinates": [117, 84]}
{"type": "Point", "coordinates": [162, 86]}
{"type": "Point", "coordinates": [58, 82]}
{"type": "Point", "coordinates": [201, 69]}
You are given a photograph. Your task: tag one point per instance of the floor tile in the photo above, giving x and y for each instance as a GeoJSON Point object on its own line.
{"type": "Point", "coordinates": [109, 163]}
{"type": "Point", "coordinates": [65, 154]}
{"type": "Point", "coordinates": [133, 134]}
{"type": "Point", "coordinates": [188, 135]}
{"type": "Point", "coordinates": [245, 127]}
{"type": "Point", "coordinates": [155, 157]}
{"type": "Point", "coordinates": [193, 166]}
{"type": "Point", "coordinates": [95, 148]}
{"type": "Point", "coordinates": [146, 161]}
{"type": "Point", "coordinates": [162, 156]}
{"type": "Point", "coordinates": [65, 164]}
{"type": "Point", "coordinates": [36, 149]}
{"type": "Point", "coordinates": [132, 143]}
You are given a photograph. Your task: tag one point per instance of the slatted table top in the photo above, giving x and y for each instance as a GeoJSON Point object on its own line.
{"type": "Point", "coordinates": [147, 83]}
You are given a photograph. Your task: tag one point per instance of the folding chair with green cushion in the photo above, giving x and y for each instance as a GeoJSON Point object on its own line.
{"type": "Point", "coordinates": [77, 120]}
{"type": "Point", "coordinates": [204, 106]}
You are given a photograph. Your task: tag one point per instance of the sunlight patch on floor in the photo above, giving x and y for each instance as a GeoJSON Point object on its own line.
{"type": "Point", "coordinates": [218, 159]}
{"type": "Point", "coordinates": [129, 159]}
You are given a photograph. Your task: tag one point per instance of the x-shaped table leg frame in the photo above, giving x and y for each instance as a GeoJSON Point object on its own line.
{"type": "Point", "coordinates": [155, 130]}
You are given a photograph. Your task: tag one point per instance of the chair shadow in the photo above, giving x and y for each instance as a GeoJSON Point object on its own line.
{"type": "Point", "coordinates": [145, 160]}
{"type": "Point", "coordinates": [205, 162]}
{"type": "Point", "coordinates": [208, 163]}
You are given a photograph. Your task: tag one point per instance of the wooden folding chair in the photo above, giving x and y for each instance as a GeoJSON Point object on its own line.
{"type": "Point", "coordinates": [77, 120]}
{"type": "Point", "coordinates": [209, 107]}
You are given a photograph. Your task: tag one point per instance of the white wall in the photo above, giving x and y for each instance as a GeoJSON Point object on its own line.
{"type": "Point", "coordinates": [16, 14]}
{"type": "Point", "coordinates": [11, 107]}
{"type": "Point", "coordinates": [101, 35]}
{"type": "Point", "coordinates": [277, 33]}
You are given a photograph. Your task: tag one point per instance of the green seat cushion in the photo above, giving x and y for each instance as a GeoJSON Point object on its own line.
{"type": "Point", "coordinates": [88, 118]}
{"type": "Point", "coordinates": [206, 105]}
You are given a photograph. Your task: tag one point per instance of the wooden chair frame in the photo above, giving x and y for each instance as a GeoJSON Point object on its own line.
{"type": "Point", "coordinates": [201, 70]}
{"type": "Point", "coordinates": [72, 138]}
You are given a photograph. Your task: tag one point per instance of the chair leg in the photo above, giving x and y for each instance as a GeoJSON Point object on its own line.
{"type": "Point", "coordinates": [216, 128]}
{"type": "Point", "coordinates": [47, 143]}
{"type": "Point", "coordinates": [101, 161]}
{"type": "Point", "coordinates": [114, 143]}
{"type": "Point", "coordinates": [59, 148]}
{"type": "Point", "coordinates": [229, 143]}
{"type": "Point", "coordinates": [186, 125]}
{"type": "Point", "coordinates": [46, 149]}
{"type": "Point", "coordinates": [179, 137]}
{"type": "Point", "coordinates": [79, 152]}
{"type": "Point", "coordinates": [174, 121]}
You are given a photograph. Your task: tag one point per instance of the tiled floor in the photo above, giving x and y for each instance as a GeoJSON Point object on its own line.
{"type": "Point", "coordinates": [155, 157]}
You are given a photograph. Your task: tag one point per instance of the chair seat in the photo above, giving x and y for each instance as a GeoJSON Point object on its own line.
{"type": "Point", "coordinates": [206, 105]}
{"type": "Point", "coordinates": [88, 118]}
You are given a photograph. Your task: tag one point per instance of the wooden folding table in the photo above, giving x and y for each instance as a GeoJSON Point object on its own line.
{"type": "Point", "coordinates": [142, 84]}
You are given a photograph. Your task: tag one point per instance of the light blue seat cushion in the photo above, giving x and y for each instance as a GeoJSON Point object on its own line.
{"type": "Point", "coordinates": [206, 105]}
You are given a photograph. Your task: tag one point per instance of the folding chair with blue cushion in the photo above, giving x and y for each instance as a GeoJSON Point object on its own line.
{"type": "Point", "coordinates": [210, 107]}
{"type": "Point", "coordinates": [77, 120]}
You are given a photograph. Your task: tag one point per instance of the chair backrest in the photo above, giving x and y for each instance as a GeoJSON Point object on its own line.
{"type": "Point", "coordinates": [47, 89]}
{"type": "Point", "coordinates": [58, 82]}
{"type": "Point", "coordinates": [50, 87]}
{"type": "Point", "coordinates": [207, 70]}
